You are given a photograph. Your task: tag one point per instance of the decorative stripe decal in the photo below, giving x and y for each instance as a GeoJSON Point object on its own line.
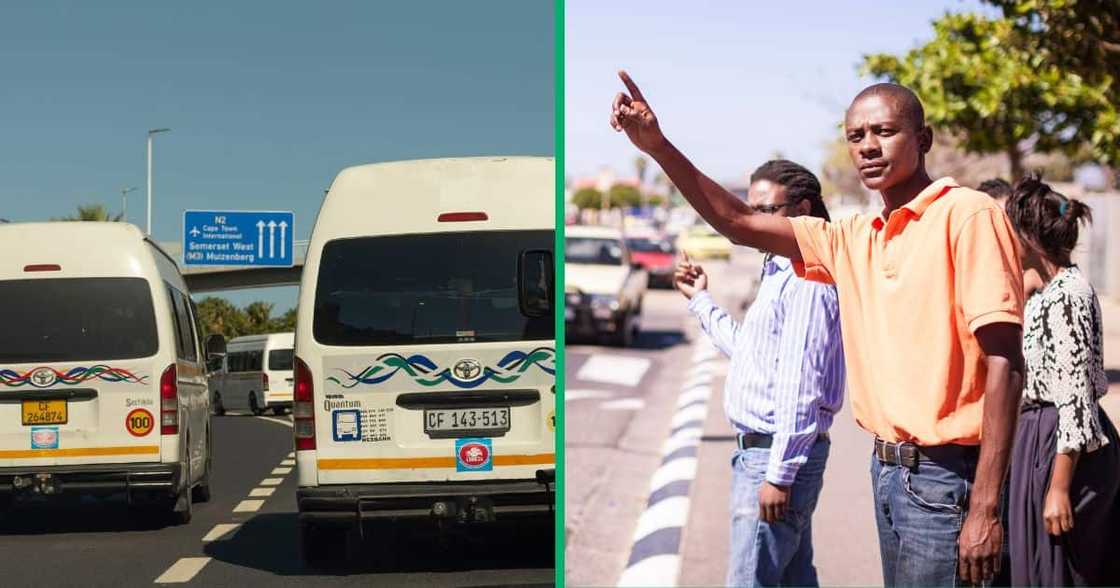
{"type": "Point", "coordinates": [413, 463]}
{"type": "Point", "coordinates": [425, 372]}
{"type": "Point", "coordinates": [79, 452]}
{"type": "Point", "coordinates": [42, 377]}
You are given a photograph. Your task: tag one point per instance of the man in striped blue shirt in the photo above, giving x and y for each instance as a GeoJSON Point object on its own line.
{"type": "Point", "coordinates": [785, 385]}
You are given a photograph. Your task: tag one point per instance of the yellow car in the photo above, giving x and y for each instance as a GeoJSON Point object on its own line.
{"type": "Point", "coordinates": [703, 242]}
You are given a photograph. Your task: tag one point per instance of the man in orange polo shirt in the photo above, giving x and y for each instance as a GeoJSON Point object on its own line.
{"type": "Point", "coordinates": [931, 303]}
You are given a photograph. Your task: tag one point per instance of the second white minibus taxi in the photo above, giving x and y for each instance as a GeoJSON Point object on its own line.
{"type": "Point", "coordinates": [425, 348]}
{"type": "Point", "coordinates": [255, 375]}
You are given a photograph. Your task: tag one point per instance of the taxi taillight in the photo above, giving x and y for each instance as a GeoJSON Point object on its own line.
{"type": "Point", "coordinates": [461, 217]}
{"type": "Point", "coordinates": [169, 401]}
{"type": "Point", "coordinates": [264, 382]}
{"type": "Point", "coordinates": [303, 407]}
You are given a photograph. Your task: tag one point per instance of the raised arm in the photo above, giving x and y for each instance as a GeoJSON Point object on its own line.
{"type": "Point", "coordinates": [723, 210]}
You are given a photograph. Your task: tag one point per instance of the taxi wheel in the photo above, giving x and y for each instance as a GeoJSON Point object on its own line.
{"type": "Point", "coordinates": [278, 410]}
{"type": "Point", "coordinates": [626, 335]}
{"type": "Point", "coordinates": [181, 506]}
{"type": "Point", "coordinates": [253, 406]}
{"type": "Point", "coordinates": [219, 408]}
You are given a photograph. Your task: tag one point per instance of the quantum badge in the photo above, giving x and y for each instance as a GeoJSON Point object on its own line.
{"type": "Point", "coordinates": [473, 455]}
{"type": "Point", "coordinates": [347, 425]}
{"type": "Point", "coordinates": [44, 437]}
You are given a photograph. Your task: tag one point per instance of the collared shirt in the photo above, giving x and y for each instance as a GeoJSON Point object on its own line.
{"type": "Point", "coordinates": [914, 289]}
{"type": "Point", "coordinates": [786, 376]}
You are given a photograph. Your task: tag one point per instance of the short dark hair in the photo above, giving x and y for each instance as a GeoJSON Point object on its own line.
{"type": "Point", "coordinates": [800, 184]}
{"type": "Point", "coordinates": [904, 98]}
{"type": "Point", "coordinates": [1045, 218]}
{"type": "Point", "coordinates": [995, 187]}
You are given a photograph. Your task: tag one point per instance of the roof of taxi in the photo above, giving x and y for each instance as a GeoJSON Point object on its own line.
{"type": "Point", "coordinates": [97, 248]}
{"type": "Point", "coordinates": [408, 196]}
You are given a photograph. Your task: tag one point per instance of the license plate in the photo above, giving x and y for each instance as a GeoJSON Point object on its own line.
{"type": "Point", "coordinates": [44, 412]}
{"type": "Point", "coordinates": [448, 422]}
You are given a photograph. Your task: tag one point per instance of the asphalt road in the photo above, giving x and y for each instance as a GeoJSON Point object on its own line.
{"type": "Point", "coordinates": [246, 535]}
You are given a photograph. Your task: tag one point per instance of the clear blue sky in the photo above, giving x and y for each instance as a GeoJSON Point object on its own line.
{"type": "Point", "coordinates": [267, 100]}
{"type": "Point", "coordinates": [731, 81]}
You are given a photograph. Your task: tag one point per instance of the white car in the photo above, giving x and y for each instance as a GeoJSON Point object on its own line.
{"type": "Point", "coordinates": [425, 349]}
{"type": "Point", "coordinates": [102, 372]}
{"type": "Point", "coordinates": [603, 286]}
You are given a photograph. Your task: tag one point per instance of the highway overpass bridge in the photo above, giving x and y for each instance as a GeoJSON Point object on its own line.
{"type": "Point", "coordinates": [214, 278]}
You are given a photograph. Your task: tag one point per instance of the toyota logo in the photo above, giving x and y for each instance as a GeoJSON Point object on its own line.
{"type": "Point", "coordinates": [43, 377]}
{"type": "Point", "coordinates": [467, 369]}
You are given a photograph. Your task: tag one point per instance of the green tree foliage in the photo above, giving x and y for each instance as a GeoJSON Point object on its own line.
{"type": "Point", "coordinates": [625, 195]}
{"type": "Point", "coordinates": [218, 315]}
{"type": "Point", "coordinates": [588, 198]}
{"type": "Point", "coordinates": [91, 212]}
{"type": "Point", "coordinates": [1082, 36]}
{"type": "Point", "coordinates": [980, 81]}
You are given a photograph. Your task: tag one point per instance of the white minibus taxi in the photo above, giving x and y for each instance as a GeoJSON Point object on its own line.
{"type": "Point", "coordinates": [256, 375]}
{"type": "Point", "coordinates": [102, 375]}
{"type": "Point", "coordinates": [425, 348]}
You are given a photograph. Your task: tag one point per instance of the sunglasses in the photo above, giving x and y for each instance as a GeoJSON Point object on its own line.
{"type": "Point", "coordinates": [770, 208]}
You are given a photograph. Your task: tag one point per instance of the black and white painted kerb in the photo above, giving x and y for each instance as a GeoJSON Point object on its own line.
{"type": "Point", "coordinates": [655, 558]}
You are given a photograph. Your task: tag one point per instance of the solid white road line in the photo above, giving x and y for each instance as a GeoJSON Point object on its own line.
{"type": "Point", "coordinates": [261, 492]}
{"type": "Point", "coordinates": [281, 471]}
{"type": "Point", "coordinates": [248, 506]}
{"type": "Point", "coordinates": [220, 532]}
{"type": "Point", "coordinates": [183, 570]}
{"type": "Point", "coordinates": [614, 369]}
{"type": "Point", "coordinates": [271, 481]}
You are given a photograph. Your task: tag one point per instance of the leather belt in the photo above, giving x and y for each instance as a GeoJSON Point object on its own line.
{"type": "Point", "coordinates": [763, 440]}
{"type": "Point", "coordinates": [908, 454]}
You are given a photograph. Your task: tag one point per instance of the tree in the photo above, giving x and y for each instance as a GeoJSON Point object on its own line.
{"type": "Point", "coordinates": [979, 81]}
{"type": "Point", "coordinates": [588, 198]}
{"type": "Point", "coordinates": [218, 315]}
{"type": "Point", "coordinates": [91, 212]}
{"type": "Point", "coordinates": [1082, 36]}
{"type": "Point", "coordinates": [286, 322]}
{"type": "Point", "coordinates": [624, 195]}
{"type": "Point", "coordinates": [259, 317]}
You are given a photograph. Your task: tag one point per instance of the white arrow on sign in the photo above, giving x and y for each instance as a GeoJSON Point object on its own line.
{"type": "Point", "coordinates": [195, 231]}
{"type": "Point", "coordinates": [272, 238]}
{"type": "Point", "coordinates": [260, 238]}
{"type": "Point", "coordinates": [283, 230]}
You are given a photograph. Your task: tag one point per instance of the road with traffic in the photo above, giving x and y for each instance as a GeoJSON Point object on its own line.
{"type": "Point", "coordinates": [247, 535]}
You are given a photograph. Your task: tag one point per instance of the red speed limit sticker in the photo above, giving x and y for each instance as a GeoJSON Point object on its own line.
{"type": "Point", "coordinates": [139, 422]}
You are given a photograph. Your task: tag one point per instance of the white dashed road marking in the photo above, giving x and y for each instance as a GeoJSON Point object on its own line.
{"type": "Point", "coordinates": [288, 462]}
{"type": "Point", "coordinates": [262, 492]}
{"type": "Point", "coordinates": [281, 471]}
{"type": "Point", "coordinates": [248, 506]}
{"type": "Point", "coordinates": [183, 570]}
{"type": "Point", "coordinates": [271, 481]}
{"type": "Point", "coordinates": [614, 369]}
{"type": "Point", "coordinates": [221, 532]}
{"type": "Point", "coordinates": [286, 422]}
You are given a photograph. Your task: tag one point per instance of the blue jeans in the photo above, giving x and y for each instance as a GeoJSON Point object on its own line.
{"type": "Point", "coordinates": [919, 513]}
{"type": "Point", "coordinates": [765, 554]}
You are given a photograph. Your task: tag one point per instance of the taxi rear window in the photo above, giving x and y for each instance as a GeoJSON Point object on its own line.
{"type": "Point", "coordinates": [76, 319]}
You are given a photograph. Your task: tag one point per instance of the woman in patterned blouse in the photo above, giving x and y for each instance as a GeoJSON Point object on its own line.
{"type": "Point", "coordinates": [1065, 466]}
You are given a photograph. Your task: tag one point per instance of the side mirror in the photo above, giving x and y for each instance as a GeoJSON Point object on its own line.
{"type": "Point", "coordinates": [536, 282]}
{"type": "Point", "coordinates": [215, 345]}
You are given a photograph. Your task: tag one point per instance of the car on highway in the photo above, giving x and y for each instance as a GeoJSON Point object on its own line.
{"type": "Point", "coordinates": [255, 374]}
{"type": "Point", "coordinates": [603, 285]}
{"type": "Point", "coordinates": [102, 370]}
{"type": "Point", "coordinates": [703, 242]}
{"type": "Point", "coordinates": [655, 254]}
{"type": "Point", "coordinates": [425, 351]}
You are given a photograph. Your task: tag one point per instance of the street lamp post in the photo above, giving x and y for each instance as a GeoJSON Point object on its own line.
{"type": "Point", "coordinates": [150, 133]}
{"type": "Point", "coordinates": [124, 202]}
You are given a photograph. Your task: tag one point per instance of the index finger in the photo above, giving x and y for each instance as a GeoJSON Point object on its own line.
{"type": "Point", "coordinates": [635, 93]}
{"type": "Point", "coordinates": [686, 258]}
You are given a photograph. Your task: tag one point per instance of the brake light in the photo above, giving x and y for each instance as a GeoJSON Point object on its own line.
{"type": "Point", "coordinates": [303, 407]}
{"type": "Point", "coordinates": [42, 267]}
{"type": "Point", "coordinates": [459, 217]}
{"type": "Point", "coordinates": [264, 382]}
{"type": "Point", "coordinates": [169, 401]}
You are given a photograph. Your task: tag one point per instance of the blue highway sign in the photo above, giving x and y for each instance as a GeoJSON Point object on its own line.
{"type": "Point", "coordinates": [262, 239]}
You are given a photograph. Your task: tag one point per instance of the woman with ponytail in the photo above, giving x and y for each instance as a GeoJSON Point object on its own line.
{"type": "Point", "coordinates": [1065, 465]}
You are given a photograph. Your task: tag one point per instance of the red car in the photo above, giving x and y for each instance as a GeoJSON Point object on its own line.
{"type": "Point", "coordinates": [657, 256]}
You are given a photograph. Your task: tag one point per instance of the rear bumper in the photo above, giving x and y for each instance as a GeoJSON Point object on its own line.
{"type": "Point", "coordinates": [155, 479]}
{"type": "Point", "coordinates": [456, 501]}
